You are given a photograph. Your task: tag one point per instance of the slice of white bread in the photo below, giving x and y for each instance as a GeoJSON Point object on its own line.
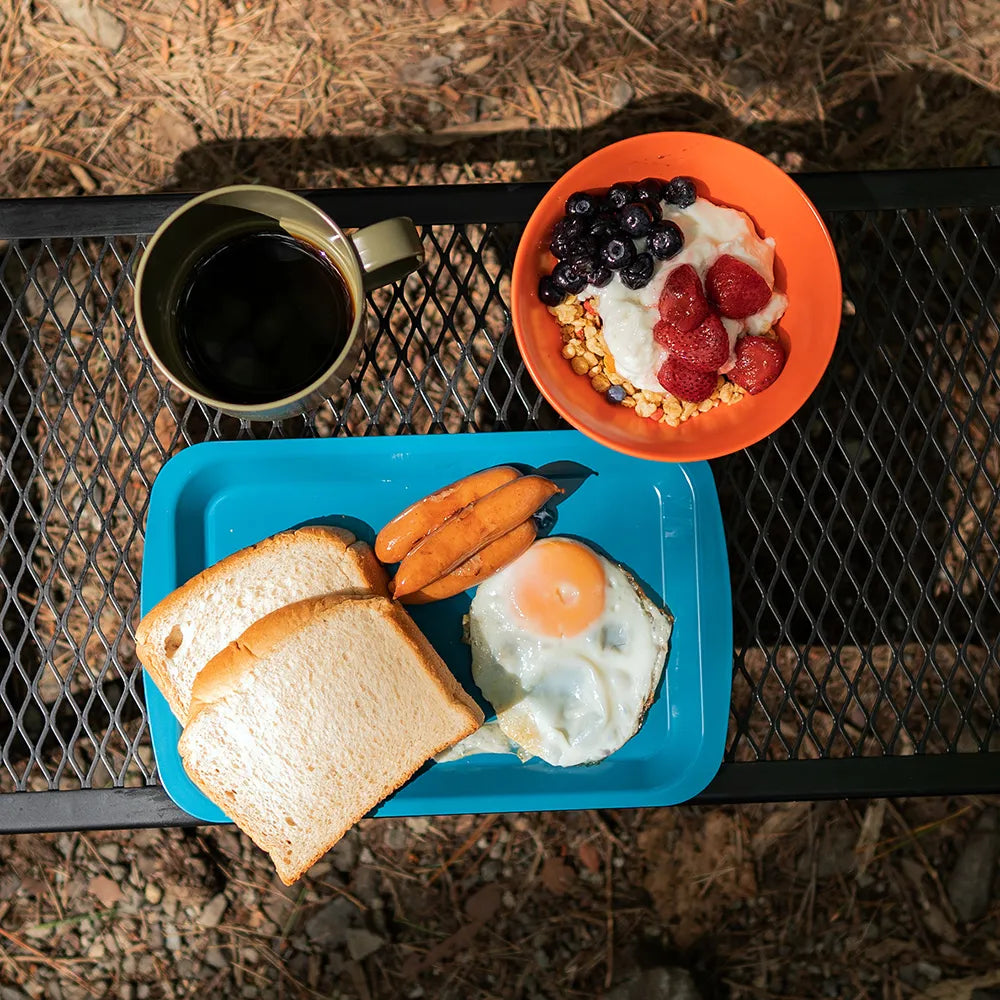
{"type": "Point", "coordinates": [198, 620]}
{"type": "Point", "coordinates": [315, 715]}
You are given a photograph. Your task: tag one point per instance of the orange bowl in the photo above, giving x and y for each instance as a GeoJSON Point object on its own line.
{"type": "Point", "coordinates": [805, 269]}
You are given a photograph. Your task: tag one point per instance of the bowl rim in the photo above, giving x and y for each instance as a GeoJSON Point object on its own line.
{"type": "Point", "coordinates": [757, 430]}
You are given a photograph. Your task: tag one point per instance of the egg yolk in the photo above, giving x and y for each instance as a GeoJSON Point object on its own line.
{"type": "Point", "coordinates": [559, 589]}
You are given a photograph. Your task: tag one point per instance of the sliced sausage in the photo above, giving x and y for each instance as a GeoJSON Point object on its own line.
{"type": "Point", "coordinates": [470, 530]}
{"type": "Point", "coordinates": [478, 567]}
{"type": "Point", "coordinates": [396, 539]}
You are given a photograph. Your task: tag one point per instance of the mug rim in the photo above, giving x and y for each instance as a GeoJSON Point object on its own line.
{"type": "Point", "coordinates": [247, 410]}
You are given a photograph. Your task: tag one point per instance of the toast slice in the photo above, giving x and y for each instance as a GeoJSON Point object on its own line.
{"type": "Point", "coordinates": [194, 623]}
{"type": "Point", "coordinates": [313, 716]}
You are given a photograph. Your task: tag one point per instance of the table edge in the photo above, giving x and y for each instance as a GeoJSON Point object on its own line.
{"type": "Point", "coordinates": [451, 204]}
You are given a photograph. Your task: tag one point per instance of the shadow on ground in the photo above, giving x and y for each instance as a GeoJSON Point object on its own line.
{"type": "Point", "coordinates": [872, 132]}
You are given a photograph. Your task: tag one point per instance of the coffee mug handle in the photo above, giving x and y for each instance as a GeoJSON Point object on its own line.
{"type": "Point", "coordinates": [388, 251]}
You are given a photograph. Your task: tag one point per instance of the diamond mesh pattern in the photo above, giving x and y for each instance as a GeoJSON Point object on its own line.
{"type": "Point", "coordinates": [862, 536]}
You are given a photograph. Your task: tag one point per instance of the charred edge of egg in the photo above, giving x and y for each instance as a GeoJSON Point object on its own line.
{"type": "Point", "coordinates": [669, 615]}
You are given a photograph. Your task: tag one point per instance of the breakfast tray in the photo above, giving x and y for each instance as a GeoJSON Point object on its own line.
{"type": "Point", "coordinates": [862, 537]}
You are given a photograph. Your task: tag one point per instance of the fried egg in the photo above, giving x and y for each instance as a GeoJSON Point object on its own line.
{"type": "Point", "coordinates": [569, 650]}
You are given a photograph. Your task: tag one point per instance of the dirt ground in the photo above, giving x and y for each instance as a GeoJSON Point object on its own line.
{"type": "Point", "coordinates": [875, 901]}
{"type": "Point", "coordinates": [191, 93]}
{"type": "Point", "coordinates": [880, 901]}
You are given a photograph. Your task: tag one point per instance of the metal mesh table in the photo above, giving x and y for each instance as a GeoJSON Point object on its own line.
{"type": "Point", "coordinates": [863, 536]}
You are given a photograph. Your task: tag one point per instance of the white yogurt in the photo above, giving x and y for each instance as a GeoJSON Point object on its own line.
{"type": "Point", "coordinates": [628, 316]}
{"type": "Point", "coordinates": [627, 321]}
{"type": "Point", "coordinates": [768, 316]}
{"type": "Point", "coordinates": [711, 230]}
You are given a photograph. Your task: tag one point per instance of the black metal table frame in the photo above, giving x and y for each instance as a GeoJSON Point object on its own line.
{"type": "Point", "coordinates": [925, 774]}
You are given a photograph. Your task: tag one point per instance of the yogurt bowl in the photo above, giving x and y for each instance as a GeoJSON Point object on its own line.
{"type": "Point", "coordinates": [629, 315]}
{"type": "Point", "coordinates": [748, 210]}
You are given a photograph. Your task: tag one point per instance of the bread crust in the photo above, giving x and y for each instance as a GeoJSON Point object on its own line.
{"type": "Point", "coordinates": [150, 652]}
{"type": "Point", "coordinates": [295, 875]}
{"type": "Point", "coordinates": [227, 669]}
{"type": "Point", "coordinates": [225, 672]}
{"type": "Point", "coordinates": [442, 675]}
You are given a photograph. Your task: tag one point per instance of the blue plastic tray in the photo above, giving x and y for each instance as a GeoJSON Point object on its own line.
{"type": "Point", "coordinates": [661, 520]}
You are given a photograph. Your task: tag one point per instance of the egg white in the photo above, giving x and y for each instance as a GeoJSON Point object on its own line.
{"type": "Point", "coordinates": [572, 700]}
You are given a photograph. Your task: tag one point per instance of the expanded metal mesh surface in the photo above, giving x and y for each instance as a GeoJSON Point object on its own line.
{"type": "Point", "coordinates": [862, 536]}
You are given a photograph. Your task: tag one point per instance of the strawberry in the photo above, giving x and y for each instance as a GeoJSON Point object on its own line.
{"type": "Point", "coordinates": [685, 382]}
{"type": "Point", "coordinates": [736, 288]}
{"type": "Point", "coordinates": [664, 332]}
{"type": "Point", "coordinates": [759, 361]}
{"type": "Point", "coordinates": [705, 348]}
{"type": "Point", "coordinates": [682, 301]}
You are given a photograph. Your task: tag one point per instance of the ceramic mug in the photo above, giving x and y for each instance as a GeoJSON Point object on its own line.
{"type": "Point", "coordinates": [376, 255]}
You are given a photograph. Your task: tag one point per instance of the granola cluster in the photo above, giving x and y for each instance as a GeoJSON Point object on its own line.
{"type": "Point", "coordinates": [587, 353]}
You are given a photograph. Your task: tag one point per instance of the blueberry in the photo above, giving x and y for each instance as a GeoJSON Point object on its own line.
{"type": "Point", "coordinates": [665, 240]}
{"type": "Point", "coordinates": [682, 192]}
{"type": "Point", "coordinates": [604, 226]}
{"type": "Point", "coordinates": [582, 262]}
{"type": "Point", "coordinates": [617, 252]}
{"type": "Point", "coordinates": [636, 219]}
{"type": "Point", "coordinates": [582, 246]}
{"type": "Point", "coordinates": [569, 227]}
{"type": "Point", "coordinates": [650, 189]}
{"type": "Point", "coordinates": [619, 195]}
{"type": "Point", "coordinates": [600, 276]}
{"type": "Point", "coordinates": [560, 248]}
{"type": "Point", "coordinates": [549, 292]}
{"type": "Point", "coordinates": [616, 394]}
{"type": "Point", "coordinates": [568, 278]}
{"type": "Point", "coordinates": [565, 234]}
{"type": "Point", "coordinates": [638, 273]}
{"type": "Point", "coordinates": [583, 203]}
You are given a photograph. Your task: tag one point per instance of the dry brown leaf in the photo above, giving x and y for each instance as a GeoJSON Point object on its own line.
{"type": "Point", "coordinates": [429, 72]}
{"type": "Point", "coordinates": [939, 925]}
{"type": "Point", "coordinates": [171, 132]}
{"type": "Point", "coordinates": [961, 989]}
{"type": "Point", "coordinates": [32, 886]}
{"type": "Point", "coordinates": [94, 21]}
{"type": "Point", "coordinates": [361, 943]}
{"type": "Point", "coordinates": [582, 10]}
{"type": "Point", "coordinates": [514, 124]}
{"type": "Point", "coordinates": [451, 24]}
{"type": "Point", "coordinates": [481, 905]}
{"type": "Point", "coordinates": [868, 838]}
{"type": "Point", "coordinates": [589, 857]}
{"type": "Point", "coordinates": [83, 178]}
{"type": "Point", "coordinates": [778, 825]}
{"type": "Point", "coordinates": [557, 877]}
{"type": "Point", "coordinates": [476, 65]}
{"type": "Point", "coordinates": [105, 890]}
{"type": "Point", "coordinates": [887, 949]}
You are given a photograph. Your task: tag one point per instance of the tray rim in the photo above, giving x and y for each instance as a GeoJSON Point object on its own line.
{"type": "Point", "coordinates": [175, 476]}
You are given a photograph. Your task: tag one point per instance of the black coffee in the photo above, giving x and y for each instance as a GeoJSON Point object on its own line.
{"type": "Point", "coordinates": [262, 316]}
